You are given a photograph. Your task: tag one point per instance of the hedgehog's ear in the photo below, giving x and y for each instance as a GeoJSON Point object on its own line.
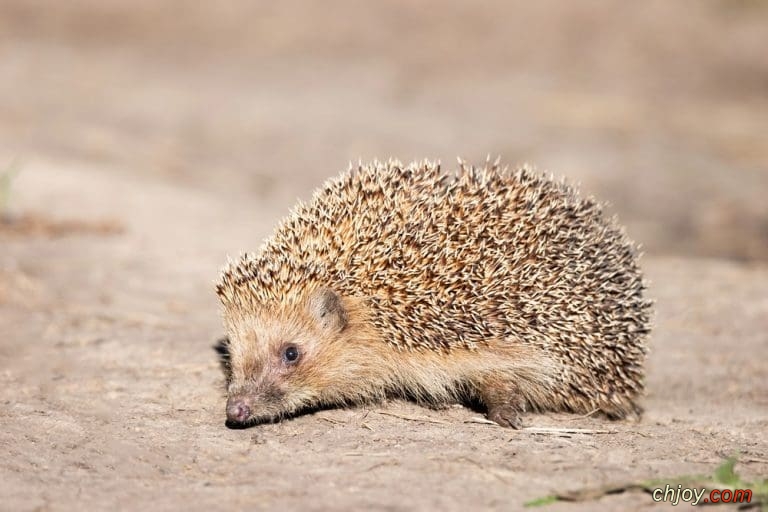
{"type": "Point", "coordinates": [326, 308]}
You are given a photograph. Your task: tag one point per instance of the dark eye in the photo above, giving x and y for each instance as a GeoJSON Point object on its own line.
{"type": "Point", "coordinates": [290, 354]}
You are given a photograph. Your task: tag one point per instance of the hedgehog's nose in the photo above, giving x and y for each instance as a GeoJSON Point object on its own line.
{"type": "Point", "coordinates": [237, 410]}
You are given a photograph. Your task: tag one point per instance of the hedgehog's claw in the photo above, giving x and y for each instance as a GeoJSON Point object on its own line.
{"type": "Point", "coordinates": [506, 415]}
{"type": "Point", "coordinates": [504, 402]}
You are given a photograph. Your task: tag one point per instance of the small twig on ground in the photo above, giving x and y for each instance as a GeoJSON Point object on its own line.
{"type": "Point", "coordinates": [383, 463]}
{"type": "Point", "coordinates": [545, 430]}
{"type": "Point", "coordinates": [330, 420]}
{"type": "Point", "coordinates": [753, 459]}
{"type": "Point", "coordinates": [553, 430]}
{"type": "Point", "coordinates": [480, 420]}
{"type": "Point", "coordinates": [412, 418]}
{"type": "Point", "coordinates": [590, 413]}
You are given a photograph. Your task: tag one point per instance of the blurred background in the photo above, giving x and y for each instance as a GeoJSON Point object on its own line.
{"type": "Point", "coordinates": [142, 141]}
{"type": "Point", "coordinates": [659, 107]}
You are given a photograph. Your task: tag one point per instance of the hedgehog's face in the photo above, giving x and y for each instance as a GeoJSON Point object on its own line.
{"type": "Point", "coordinates": [280, 361]}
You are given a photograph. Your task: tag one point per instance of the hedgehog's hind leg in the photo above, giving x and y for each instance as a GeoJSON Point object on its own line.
{"type": "Point", "coordinates": [503, 399]}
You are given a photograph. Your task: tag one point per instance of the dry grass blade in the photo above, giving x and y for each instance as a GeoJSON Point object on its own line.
{"type": "Point", "coordinates": [557, 431]}
{"type": "Point", "coordinates": [412, 418]}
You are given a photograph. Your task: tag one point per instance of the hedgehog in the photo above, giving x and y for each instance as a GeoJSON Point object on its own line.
{"type": "Point", "coordinates": [501, 289]}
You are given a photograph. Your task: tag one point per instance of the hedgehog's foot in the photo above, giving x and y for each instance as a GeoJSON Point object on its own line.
{"type": "Point", "coordinates": [504, 402]}
{"type": "Point", "coordinates": [506, 416]}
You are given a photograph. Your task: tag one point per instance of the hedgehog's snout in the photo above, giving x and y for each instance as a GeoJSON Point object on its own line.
{"type": "Point", "coordinates": [238, 410]}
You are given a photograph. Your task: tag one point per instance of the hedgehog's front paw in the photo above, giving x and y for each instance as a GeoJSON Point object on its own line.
{"type": "Point", "coordinates": [503, 400]}
{"type": "Point", "coordinates": [506, 415]}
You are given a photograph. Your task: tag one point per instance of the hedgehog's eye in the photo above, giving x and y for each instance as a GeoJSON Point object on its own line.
{"type": "Point", "coordinates": [290, 354]}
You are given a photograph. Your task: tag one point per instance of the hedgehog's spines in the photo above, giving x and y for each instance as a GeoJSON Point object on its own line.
{"type": "Point", "coordinates": [449, 261]}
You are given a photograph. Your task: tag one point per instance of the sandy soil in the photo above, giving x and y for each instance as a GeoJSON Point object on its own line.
{"type": "Point", "coordinates": [153, 141]}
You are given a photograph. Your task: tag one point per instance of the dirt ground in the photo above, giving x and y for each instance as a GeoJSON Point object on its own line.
{"type": "Point", "coordinates": [148, 141]}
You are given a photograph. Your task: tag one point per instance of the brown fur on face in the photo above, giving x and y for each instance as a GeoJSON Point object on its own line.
{"type": "Point", "coordinates": [331, 337]}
